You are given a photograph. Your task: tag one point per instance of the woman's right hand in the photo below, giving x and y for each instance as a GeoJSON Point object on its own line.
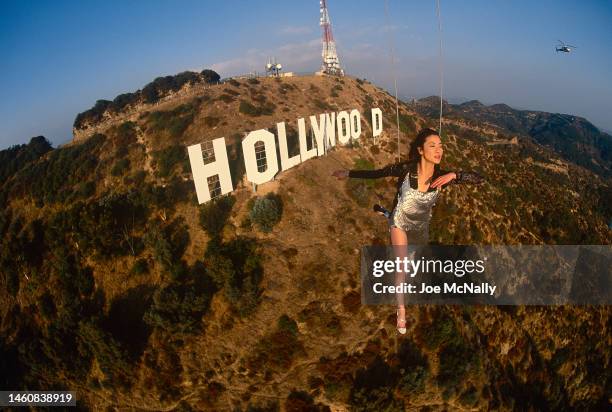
{"type": "Point", "coordinates": [340, 174]}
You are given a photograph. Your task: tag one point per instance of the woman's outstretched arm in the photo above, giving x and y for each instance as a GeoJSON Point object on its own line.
{"type": "Point", "coordinates": [459, 177]}
{"type": "Point", "coordinates": [396, 169]}
{"type": "Point", "coordinates": [468, 177]}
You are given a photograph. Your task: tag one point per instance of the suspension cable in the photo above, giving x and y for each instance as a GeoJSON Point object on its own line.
{"type": "Point", "coordinates": [394, 80]}
{"type": "Point", "coordinates": [440, 63]}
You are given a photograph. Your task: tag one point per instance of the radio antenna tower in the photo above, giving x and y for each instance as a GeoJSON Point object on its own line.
{"type": "Point", "coordinates": [331, 63]}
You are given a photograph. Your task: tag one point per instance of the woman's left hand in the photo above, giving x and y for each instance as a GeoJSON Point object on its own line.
{"type": "Point", "coordinates": [442, 180]}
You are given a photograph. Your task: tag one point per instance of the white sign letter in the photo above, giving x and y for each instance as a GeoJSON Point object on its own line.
{"type": "Point", "coordinates": [202, 172]}
{"type": "Point", "coordinates": [377, 125]}
{"type": "Point", "coordinates": [250, 158]}
{"type": "Point", "coordinates": [286, 161]}
{"type": "Point", "coordinates": [318, 129]}
{"type": "Point", "coordinates": [330, 130]}
{"type": "Point", "coordinates": [304, 152]}
{"type": "Point", "coordinates": [355, 124]}
{"type": "Point", "coordinates": [344, 128]}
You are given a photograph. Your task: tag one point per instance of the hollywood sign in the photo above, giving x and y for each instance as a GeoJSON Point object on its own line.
{"type": "Point", "coordinates": [346, 125]}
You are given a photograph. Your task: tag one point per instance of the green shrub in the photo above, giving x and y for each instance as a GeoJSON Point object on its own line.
{"type": "Point", "coordinates": [178, 308]}
{"type": "Point", "coordinates": [266, 211]}
{"type": "Point", "coordinates": [161, 197]}
{"type": "Point", "coordinates": [46, 305]}
{"type": "Point", "coordinates": [231, 92]}
{"type": "Point", "coordinates": [321, 105]}
{"type": "Point", "coordinates": [178, 190]}
{"type": "Point", "coordinates": [136, 179]}
{"type": "Point", "coordinates": [211, 121]}
{"type": "Point", "coordinates": [226, 98]}
{"type": "Point", "coordinates": [300, 401]}
{"type": "Point", "coordinates": [139, 267]}
{"type": "Point", "coordinates": [258, 97]}
{"type": "Point", "coordinates": [166, 159]}
{"type": "Point", "coordinates": [456, 360]}
{"type": "Point", "coordinates": [103, 227]}
{"type": "Point", "coordinates": [120, 167]}
{"type": "Point", "coordinates": [12, 282]}
{"type": "Point", "coordinates": [407, 124]}
{"type": "Point", "coordinates": [287, 325]}
{"type": "Point", "coordinates": [174, 122]}
{"type": "Point", "coordinates": [125, 135]}
{"type": "Point", "coordinates": [214, 214]}
{"type": "Point", "coordinates": [276, 349]}
{"type": "Point", "coordinates": [249, 109]}
{"type": "Point", "coordinates": [236, 267]}
{"type": "Point", "coordinates": [61, 171]}
{"type": "Point", "coordinates": [415, 367]}
{"type": "Point", "coordinates": [93, 115]}
{"type": "Point", "coordinates": [335, 90]}
{"type": "Point", "coordinates": [16, 157]}
{"type": "Point", "coordinates": [168, 242]}
{"type": "Point", "coordinates": [373, 388]}
{"type": "Point", "coordinates": [86, 189]}
{"type": "Point", "coordinates": [470, 396]}
{"type": "Point", "coordinates": [210, 76]}
{"type": "Point", "coordinates": [559, 358]}
{"type": "Point", "coordinates": [456, 356]}
{"type": "Point", "coordinates": [442, 331]}
{"type": "Point", "coordinates": [111, 357]}
{"type": "Point", "coordinates": [246, 223]}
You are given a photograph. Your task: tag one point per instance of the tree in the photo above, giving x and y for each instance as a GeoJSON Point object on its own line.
{"type": "Point", "coordinates": [210, 76]}
{"type": "Point", "coordinates": [266, 211]}
{"type": "Point", "coordinates": [178, 308]}
{"type": "Point", "coordinates": [236, 268]}
{"type": "Point", "coordinates": [214, 214]}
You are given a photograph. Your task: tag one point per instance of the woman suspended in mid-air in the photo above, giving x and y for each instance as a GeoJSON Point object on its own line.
{"type": "Point", "coordinates": [418, 187]}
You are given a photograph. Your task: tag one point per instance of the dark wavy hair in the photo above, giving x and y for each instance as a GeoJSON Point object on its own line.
{"type": "Point", "coordinates": [419, 141]}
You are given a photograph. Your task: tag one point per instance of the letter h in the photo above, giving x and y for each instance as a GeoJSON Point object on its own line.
{"type": "Point", "coordinates": [201, 172]}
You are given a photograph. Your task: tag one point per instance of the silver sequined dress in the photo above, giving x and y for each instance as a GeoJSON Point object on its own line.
{"type": "Point", "coordinates": [413, 212]}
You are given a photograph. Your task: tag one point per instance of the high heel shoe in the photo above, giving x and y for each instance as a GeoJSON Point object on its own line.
{"type": "Point", "coordinates": [401, 330]}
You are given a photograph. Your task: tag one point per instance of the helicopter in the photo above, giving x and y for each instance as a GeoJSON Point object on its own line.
{"type": "Point", "coordinates": [565, 48]}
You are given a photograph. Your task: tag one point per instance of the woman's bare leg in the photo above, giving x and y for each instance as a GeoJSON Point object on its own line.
{"type": "Point", "coordinates": [399, 240]}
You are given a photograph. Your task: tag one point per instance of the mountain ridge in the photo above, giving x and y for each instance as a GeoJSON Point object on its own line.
{"type": "Point", "coordinates": [574, 137]}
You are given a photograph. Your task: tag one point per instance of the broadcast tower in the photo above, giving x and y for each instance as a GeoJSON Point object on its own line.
{"type": "Point", "coordinates": [331, 63]}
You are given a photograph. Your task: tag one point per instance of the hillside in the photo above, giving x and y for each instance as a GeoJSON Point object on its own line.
{"type": "Point", "coordinates": [117, 284]}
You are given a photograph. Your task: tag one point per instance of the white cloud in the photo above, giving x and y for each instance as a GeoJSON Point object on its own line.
{"type": "Point", "coordinates": [370, 30]}
{"type": "Point", "coordinates": [297, 57]}
{"type": "Point", "coordinates": [392, 28]}
{"type": "Point", "coordinates": [296, 30]}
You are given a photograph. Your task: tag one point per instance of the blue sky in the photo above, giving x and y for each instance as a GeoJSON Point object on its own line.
{"type": "Point", "coordinates": [59, 57]}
